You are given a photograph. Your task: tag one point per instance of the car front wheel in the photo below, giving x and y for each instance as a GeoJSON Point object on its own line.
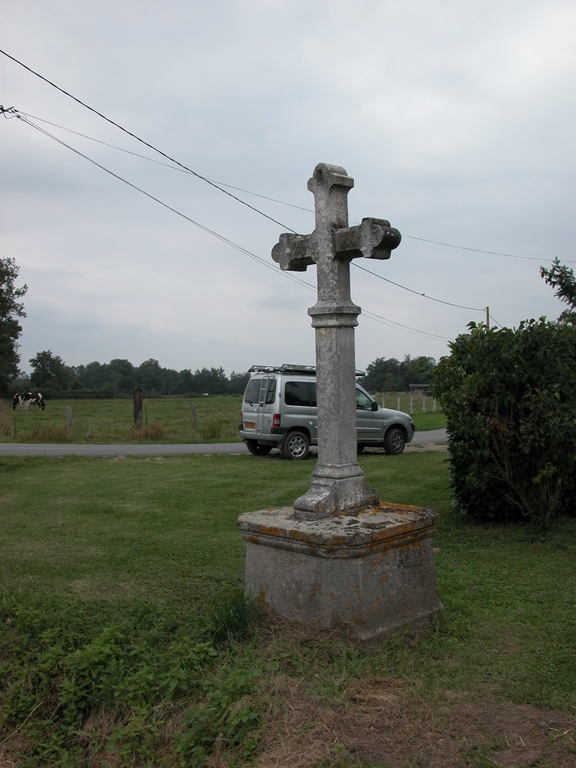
{"type": "Point", "coordinates": [295, 446]}
{"type": "Point", "coordinates": [394, 441]}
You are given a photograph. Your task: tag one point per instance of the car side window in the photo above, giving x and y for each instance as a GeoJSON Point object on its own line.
{"type": "Point", "coordinates": [271, 391]}
{"type": "Point", "coordinates": [297, 393]}
{"type": "Point", "coordinates": [313, 394]}
{"type": "Point", "coordinates": [363, 402]}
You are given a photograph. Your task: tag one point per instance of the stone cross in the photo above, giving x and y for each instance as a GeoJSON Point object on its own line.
{"type": "Point", "coordinates": [337, 485]}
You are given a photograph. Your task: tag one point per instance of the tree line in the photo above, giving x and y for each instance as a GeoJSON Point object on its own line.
{"type": "Point", "coordinates": [120, 377]}
{"type": "Point", "coordinates": [391, 375]}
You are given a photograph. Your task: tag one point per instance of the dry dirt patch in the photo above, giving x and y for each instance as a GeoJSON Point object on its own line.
{"type": "Point", "coordinates": [384, 722]}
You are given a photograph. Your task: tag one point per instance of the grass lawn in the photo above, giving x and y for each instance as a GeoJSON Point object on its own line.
{"type": "Point", "coordinates": [124, 640]}
{"type": "Point", "coordinates": [166, 420]}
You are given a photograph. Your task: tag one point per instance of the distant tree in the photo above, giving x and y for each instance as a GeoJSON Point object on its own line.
{"type": "Point", "coordinates": [392, 376]}
{"type": "Point", "coordinates": [210, 380]}
{"type": "Point", "coordinates": [149, 375]}
{"type": "Point", "coordinates": [186, 381]}
{"type": "Point", "coordinates": [120, 374]}
{"type": "Point", "coordinates": [562, 278]}
{"type": "Point", "coordinates": [417, 370]}
{"type": "Point", "coordinates": [237, 383]}
{"type": "Point", "coordinates": [382, 375]}
{"type": "Point", "coordinates": [92, 375]}
{"type": "Point", "coordinates": [50, 371]}
{"type": "Point", "coordinates": [10, 329]}
{"type": "Point", "coordinates": [389, 383]}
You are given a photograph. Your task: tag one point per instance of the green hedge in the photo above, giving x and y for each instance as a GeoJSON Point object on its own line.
{"type": "Point", "coordinates": [509, 396]}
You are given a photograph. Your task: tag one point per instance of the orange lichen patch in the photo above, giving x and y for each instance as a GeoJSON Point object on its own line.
{"type": "Point", "coordinates": [371, 533]}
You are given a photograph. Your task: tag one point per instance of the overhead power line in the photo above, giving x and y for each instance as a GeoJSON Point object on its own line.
{"type": "Point", "coordinates": [232, 244]}
{"type": "Point", "coordinates": [220, 185]}
{"type": "Point", "coordinates": [26, 118]}
{"type": "Point", "coordinates": [147, 144]}
{"type": "Point", "coordinates": [423, 295]}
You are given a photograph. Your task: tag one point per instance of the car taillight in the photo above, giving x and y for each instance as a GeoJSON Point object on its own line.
{"type": "Point", "coordinates": [276, 420]}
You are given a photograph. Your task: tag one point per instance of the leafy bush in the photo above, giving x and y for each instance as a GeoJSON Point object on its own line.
{"type": "Point", "coordinates": [509, 399]}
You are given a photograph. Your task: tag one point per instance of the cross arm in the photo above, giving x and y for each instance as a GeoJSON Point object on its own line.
{"type": "Point", "coordinates": [372, 239]}
{"type": "Point", "coordinates": [293, 252]}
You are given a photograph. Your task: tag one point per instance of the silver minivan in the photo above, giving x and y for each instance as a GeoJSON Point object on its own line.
{"type": "Point", "coordinates": [279, 411]}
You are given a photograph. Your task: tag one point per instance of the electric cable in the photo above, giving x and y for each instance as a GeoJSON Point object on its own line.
{"type": "Point", "coordinates": [407, 328]}
{"type": "Point", "coordinates": [417, 293]}
{"type": "Point", "coordinates": [147, 144]}
{"type": "Point", "coordinates": [136, 154]}
{"type": "Point", "coordinates": [220, 187]}
{"type": "Point", "coordinates": [371, 315]}
{"type": "Point", "coordinates": [218, 184]}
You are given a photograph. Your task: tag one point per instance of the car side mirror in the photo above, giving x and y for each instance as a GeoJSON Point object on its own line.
{"type": "Point", "coordinates": [375, 406]}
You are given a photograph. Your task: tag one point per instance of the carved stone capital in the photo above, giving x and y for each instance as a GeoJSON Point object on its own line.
{"type": "Point", "coordinates": [293, 252]}
{"type": "Point", "coordinates": [372, 239]}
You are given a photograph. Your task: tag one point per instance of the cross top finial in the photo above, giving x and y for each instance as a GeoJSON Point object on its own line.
{"type": "Point", "coordinates": [330, 185]}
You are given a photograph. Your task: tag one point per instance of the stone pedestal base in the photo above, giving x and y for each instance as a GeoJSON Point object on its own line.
{"type": "Point", "coordinates": [373, 571]}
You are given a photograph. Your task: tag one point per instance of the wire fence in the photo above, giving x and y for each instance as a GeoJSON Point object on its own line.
{"type": "Point", "coordinates": [404, 401]}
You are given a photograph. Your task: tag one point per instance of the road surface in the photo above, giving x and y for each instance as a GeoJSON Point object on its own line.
{"type": "Point", "coordinates": [166, 449]}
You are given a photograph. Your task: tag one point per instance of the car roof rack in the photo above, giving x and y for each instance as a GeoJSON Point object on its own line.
{"type": "Point", "coordinates": [302, 370]}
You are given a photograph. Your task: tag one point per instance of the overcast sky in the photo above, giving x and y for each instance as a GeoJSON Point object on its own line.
{"type": "Point", "coordinates": [456, 120]}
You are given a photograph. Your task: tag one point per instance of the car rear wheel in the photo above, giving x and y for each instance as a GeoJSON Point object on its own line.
{"type": "Point", "coordinates": [394, 441]}
{"type": "Point", "coordinates": [295, 446]}
{"type": "Point", "coordinates": [256, 449]}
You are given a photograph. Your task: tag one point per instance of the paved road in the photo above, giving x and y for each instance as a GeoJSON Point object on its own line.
{"type": "Point", "coordinates": [136, 449]}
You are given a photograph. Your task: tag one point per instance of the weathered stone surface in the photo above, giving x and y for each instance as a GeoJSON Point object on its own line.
{"type": "Point", "coordinates": [339, 556]}
{"type": "Point", "coordinates": [373, 571]}
{"type": "Point", "coordinates": [337, 482]}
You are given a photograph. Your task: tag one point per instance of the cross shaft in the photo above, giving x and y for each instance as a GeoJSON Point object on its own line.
{"type": "Point", "coordinates": [337, 485]}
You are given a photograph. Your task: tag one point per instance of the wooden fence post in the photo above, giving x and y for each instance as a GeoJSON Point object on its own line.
{"type": "Point", "coordinates": [138, 407]}
{"type": "Point", "coordinates": [194, 416]}
{"type": "Point", "coordinates": [69, 416]}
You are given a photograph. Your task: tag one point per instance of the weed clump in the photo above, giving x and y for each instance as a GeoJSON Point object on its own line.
{"type": "Point", "coordinates": [6, 425]}
{"type": "Point", "coordinates": [82, 679]}
{"type": "Point", "coordinates": [48, 433]}
{"type": "Point", "coordinates": [152, 431]}
{"type": "Point", "coordinates": [234, 617]}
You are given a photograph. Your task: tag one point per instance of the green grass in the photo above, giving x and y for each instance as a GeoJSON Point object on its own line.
{"type": "Point", "coordinates": [165, 420]}
{"type": "Point", "coordinates": [425, 421]}
{"type": "Point", "coordinates": [122, 608]}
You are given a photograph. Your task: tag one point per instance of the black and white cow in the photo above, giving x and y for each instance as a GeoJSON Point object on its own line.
{"type": "Point", "coordinates": [25, 399]}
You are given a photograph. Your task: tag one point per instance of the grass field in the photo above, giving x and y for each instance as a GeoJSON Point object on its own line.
{"type": "Point", "coordinates": [165, 420]}
{"type": "Point", "coordinates": [124, 639]}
